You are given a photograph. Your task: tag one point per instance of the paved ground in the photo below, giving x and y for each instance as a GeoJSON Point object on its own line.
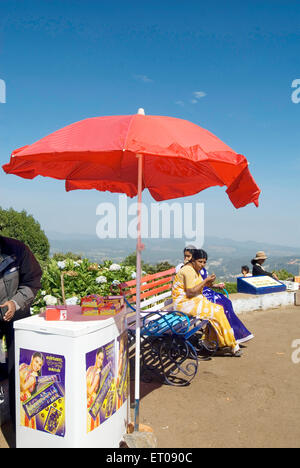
{"type": "Point", "coordinates": [248, 402]}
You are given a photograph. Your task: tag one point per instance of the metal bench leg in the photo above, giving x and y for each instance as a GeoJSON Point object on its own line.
{"type": "Point", "coordinates": [150, 361]}
{"type": "Point", "coordinates": [179, 361]}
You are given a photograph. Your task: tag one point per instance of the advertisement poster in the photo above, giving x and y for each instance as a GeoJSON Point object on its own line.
{"type": "Point", "coordinates": [123, 370]}
{"type": "Point", "coordinates": [101, 385]}
{"type": "Point", "coordinates": [42, 391]}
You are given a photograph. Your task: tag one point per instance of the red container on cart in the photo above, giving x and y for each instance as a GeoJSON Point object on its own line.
{"type": "Point", "coordinates": [56, 313]}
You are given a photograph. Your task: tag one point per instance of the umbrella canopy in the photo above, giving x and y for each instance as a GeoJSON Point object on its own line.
{"type": "Point", "coordinates": [179, 158]}
{"type": "Point", "coordinates": [170, 157]}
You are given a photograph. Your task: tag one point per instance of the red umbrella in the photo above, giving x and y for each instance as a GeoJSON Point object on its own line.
{"type": "Point", "coordinates": [170, 157]}
{"type": "Point", "coordinates": [180, 158]}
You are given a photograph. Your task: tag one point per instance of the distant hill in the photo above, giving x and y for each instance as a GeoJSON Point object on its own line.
{"type": "Point", "coordinates": [225, 255]}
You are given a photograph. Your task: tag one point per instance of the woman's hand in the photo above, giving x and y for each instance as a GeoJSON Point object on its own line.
{"type": "Point", "coordinates": [220, 285]}
{"type": "Point", "coordinates": [210, 280]}
{"type": "Point", "coordinates": [192, 292]}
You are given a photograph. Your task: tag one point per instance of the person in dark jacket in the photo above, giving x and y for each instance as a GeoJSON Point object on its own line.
{"type": "Point", "coordinates": [258, 269]}
{"type": "Point", "coordinates": [20, 280]}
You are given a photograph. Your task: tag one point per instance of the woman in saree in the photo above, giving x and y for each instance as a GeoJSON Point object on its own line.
{"type": "Point", "coordinates": [187, 294]}
{"type": "Point", "coordinates": [241, 333]}
{"type": "Point", "coordinates": [28, 384]}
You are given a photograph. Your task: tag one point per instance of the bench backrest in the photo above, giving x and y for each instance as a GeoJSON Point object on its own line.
{"type": "Point", "coordinates": [155, 289]}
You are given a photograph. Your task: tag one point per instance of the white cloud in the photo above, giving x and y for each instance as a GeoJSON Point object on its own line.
{"type": "Point", "coordinates": [2, 92]}
{"type": "Point", "coordinates": [143, 78]}
{"type": "Point", "coordinates": [199, 94]}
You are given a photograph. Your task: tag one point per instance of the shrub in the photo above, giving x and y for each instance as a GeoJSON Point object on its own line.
{"type": "Point", "coordinates": [80, 278]}
{"type": "Point", "coordinates": [231, 288]}
{"type": "Point", "coordinates": [284, 275]}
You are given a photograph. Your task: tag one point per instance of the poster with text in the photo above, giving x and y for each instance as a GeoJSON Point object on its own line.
{"type": "Point", "coordinates": [42, 391]}
{"type": "Point", "coordinates": [122, 380]}
{"type": "Point", "coordinates": [101, 385]}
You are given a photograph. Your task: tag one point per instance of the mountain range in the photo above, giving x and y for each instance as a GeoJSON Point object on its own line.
{"type": "Point", "coordinates": [226, 256]}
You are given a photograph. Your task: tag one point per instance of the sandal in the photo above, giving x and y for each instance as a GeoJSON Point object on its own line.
{"type": "Point", "coordinates": [238, 353]}
{"type": "Point", "coordinates": [224, 351]}
{"type": "Point", "coordinates": [227, 351]}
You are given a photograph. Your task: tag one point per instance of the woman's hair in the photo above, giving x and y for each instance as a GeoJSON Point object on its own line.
{"type": "Point", "coordinates": [38, 355]}
{"type": "Point", "coordinates": [197, 254]}
{"type": "Point", "coordinates": [41, 357]}
{"type": "Point", "coordinates": [99, 351]}
{"type": "Point", "coordinates": [245, 268]}
{"type": "Point", "coordinates": [189, 248]}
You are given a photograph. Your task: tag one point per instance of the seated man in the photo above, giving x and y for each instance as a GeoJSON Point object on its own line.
{"type": "Point", "coordinates": [258, 269]}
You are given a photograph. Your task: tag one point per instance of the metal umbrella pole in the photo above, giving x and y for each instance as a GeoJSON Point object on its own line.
{"type": "Point", "coordinates": [139, 249]}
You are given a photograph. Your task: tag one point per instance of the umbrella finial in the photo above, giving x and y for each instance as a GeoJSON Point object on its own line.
{"type": "Point", "coordinates": [141, 111]}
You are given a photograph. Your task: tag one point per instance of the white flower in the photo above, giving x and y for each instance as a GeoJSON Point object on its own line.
{"type": "Point", "coordinates": [101, 279]}
{"type": "Point", "coordinates": [43, 293]}
{"type": "Point", "coordinates": [50, 300]}
{"type": "Point", "coordinates": [72, 300]}
{"type": "Point", "coordinates": [76, 264]}
{"type": "Point", "coordinates": [61, 265]}
{"type": "Point", "coordinates": [133, 275]}
{"type": "Point", "coordinates": [115, 283]}
{"type": "Point", "coordinates": [115, 267]}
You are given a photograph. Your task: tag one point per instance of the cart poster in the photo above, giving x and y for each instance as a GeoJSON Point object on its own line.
{"type": "Point", "coordinates": [122, 370]}
{"type": "Point", "coordinates": [101, 385]}
{"type": "Point", "coordinates": [42, 391]}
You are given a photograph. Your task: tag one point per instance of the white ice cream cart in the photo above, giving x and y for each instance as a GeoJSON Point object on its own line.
{"type": "Point", "coordinates": [72, 381]}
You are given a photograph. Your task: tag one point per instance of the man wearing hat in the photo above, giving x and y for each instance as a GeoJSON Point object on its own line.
{"type": "Point", "coordinates": [258, 269]}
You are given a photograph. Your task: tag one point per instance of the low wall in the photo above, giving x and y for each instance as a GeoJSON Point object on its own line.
{"type": "Point", "coordinates": [249, 302]}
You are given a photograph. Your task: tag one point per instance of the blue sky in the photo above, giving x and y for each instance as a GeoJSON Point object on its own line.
{"type": "Point", "coordinates": [64, 61]}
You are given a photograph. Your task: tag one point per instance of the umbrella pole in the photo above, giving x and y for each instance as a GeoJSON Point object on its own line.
{"type": "Point", "coordinates": [139, 248]}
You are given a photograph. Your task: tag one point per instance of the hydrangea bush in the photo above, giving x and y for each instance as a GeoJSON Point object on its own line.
{"type": "Point", "coordinates": [81, 278]}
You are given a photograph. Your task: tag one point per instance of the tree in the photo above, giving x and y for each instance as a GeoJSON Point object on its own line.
{"type": "Point", "coordinates": [59, 256]}
{"type": "Point", "coordinates": [162, 266]}
{"type": "Point", "coordinates": [23, 227]}
{"type": "Point", "coordinates": [130, 260]}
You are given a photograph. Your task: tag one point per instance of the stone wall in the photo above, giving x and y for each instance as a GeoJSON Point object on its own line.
{"type": "Point", "coordinates": [248, 302]}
